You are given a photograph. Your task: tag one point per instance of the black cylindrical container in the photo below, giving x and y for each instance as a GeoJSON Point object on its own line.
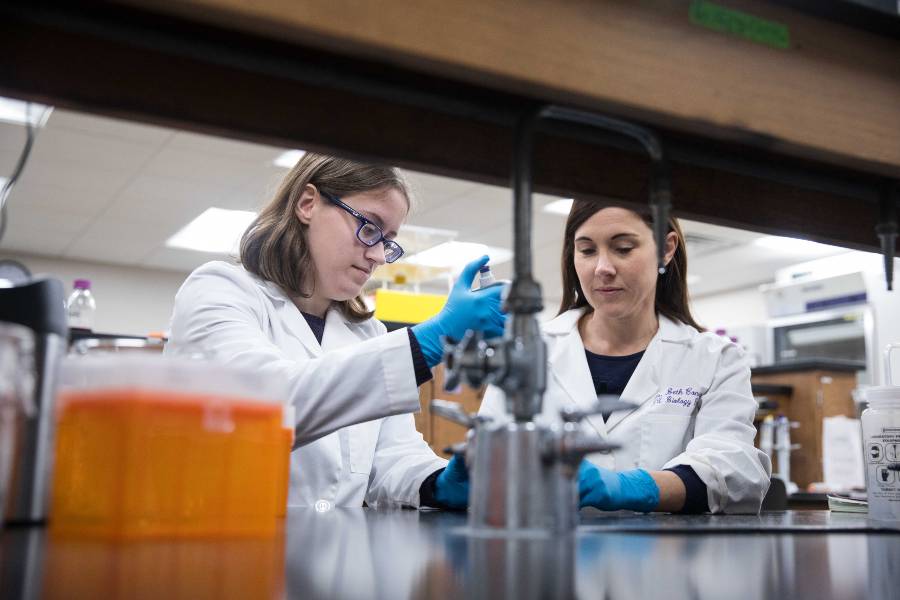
{"type": "Point", "coordinates": [39, 305]}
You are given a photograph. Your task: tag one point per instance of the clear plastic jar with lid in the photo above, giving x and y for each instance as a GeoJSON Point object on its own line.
{"type": "Point", "coordinates": [881, 447]}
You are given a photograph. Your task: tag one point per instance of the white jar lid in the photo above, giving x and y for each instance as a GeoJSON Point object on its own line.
{"type": "Point", "coordinates": [882, 393]}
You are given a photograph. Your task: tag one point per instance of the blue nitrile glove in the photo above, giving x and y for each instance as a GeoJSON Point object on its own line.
{"type": "Point", "coordinates": [465, 309]}
{"type": "Point", "coordinates": [611, 490]}
{"type": "Point", "coordinates": [451, 488]}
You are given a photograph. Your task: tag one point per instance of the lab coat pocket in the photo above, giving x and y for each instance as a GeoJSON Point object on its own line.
{"type": "Point", "coordinates": [663, 437]}
{"type": "Point", "coordinates": [362, 439]}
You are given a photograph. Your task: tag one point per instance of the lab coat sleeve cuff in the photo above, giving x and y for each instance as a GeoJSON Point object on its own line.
{"type": "Point", "coordinates": [714, 482]}
{"type": "Point", "coordinates": [423, 373]}
{"type": "Point", "coordinates": [696, 500]}
{"type": "Point", "coordinates": [426, 491]}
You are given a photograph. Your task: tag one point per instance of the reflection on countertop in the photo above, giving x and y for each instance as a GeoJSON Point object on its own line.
{"type": "Point", "coordinates": [405, 554]}
{"type": "Point", "coordinates": [396, 554]}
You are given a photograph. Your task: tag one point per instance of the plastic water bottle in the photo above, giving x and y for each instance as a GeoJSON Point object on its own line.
{"type": "Point", "coordinates": [81, 306]}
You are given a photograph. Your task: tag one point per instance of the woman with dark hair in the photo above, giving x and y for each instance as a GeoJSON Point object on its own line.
{"type": "Point", "coordinates": [292, 310]}
{"type": "Point", "coordinates": [624, 329]}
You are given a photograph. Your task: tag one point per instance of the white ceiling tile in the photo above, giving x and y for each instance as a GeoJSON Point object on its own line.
{"type": "Point", "coordinates": [430, 191]}
{"type": "Point", "coordinates": [163, 222]}
{"type": "Point", "coordinates": [115, 241]}
{"type": "Point", "coordinates": [12, 142]}
{"type": "Point", "coordinates": [52, 220]}
{"type": "Point", "coordinates": [163, 201]}
{"type": "Point", "coordinates": [219, 146]}
{"type": "Point", "coordinates": [106, 126]}
{"type": "Point", "coordinates": [33, 192]}
{"type": "Point", "coordinates": [86, 150]}
{"type": "Point", "coordinates": [222, 172]}
{"type": "Point", "coordinates": [255, 193]}
{"type": "Point", "coordinates": [480, 208]}
{"type": "Point", "coordinates": [545, 228]}
{"type": "Point", "coordinates": [718, 231]}
{"type": "Point", "coordinates": [99, 181]}
{"type": "Point", "coordinates": [33, 240]}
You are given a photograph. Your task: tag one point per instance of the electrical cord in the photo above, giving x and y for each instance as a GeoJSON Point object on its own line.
{"type": "Point", "coordinates": [30, 135]}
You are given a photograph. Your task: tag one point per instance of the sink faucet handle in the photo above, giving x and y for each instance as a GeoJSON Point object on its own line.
{"type": "Point", "coordinates": [457, 449]}
{"type": "Point", "coordinates": [473, 360]}
{"type": "Point", "coordinates": [458, 357]}
{"type": "Point", "coordinates": [572, 446]}
{"type": "Point", "coordinates": [606, 403]}
{"type": "Point", "coordinates": [453, 411]}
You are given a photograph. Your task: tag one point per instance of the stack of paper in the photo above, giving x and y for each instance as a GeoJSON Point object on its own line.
{"type": "Point", "coordinates": [855, 504]}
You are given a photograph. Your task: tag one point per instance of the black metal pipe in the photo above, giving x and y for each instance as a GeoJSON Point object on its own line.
{"type": "Point", "coordinates": [660, 184]}
{"type": "Point", "coordinates": [886, 229]}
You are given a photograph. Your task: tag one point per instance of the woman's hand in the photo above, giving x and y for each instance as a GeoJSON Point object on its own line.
{"type": "Point", "coordinates": [465, 309]}
{"type": "Point", "coordinates": [611, 490]}
{"type": "Point", "coordinates": [451, 488]}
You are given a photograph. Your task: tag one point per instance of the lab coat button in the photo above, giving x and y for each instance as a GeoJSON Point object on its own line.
{"type": "Point", "coordinates": [322, 505]}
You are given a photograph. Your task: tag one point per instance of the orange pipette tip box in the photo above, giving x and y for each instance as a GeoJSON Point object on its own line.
{"type": "Point", "coordinates": [135, 463]}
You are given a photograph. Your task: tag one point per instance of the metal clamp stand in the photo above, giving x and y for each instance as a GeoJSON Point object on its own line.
{"type": "Point", "coordinates": [523, 471]}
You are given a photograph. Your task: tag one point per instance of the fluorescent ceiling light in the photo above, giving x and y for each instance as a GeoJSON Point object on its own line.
{"type": "Point", "coordinates": [18, 112]}
{"type": "Point", "coordinates": [455, 255]}
{"type": "Point", "coordinates": [288, 159]}
{"type": "Point", "coordinates": [793, 245]}
{"type": "Point", "coordinates": [559, 207]}
{"type": "Point", "coordinates": [215, 230]}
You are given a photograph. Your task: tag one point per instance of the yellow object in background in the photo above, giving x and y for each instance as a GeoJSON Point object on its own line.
{"type": "Point", "coordinates": [406, 307]}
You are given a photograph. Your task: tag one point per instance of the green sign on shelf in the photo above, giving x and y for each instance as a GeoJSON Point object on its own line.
{"type": "Point", "coordinates": [735, 22]}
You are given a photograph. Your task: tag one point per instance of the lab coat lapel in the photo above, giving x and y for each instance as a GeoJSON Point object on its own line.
{"type": "Point", "coordinates": [291, 318]}
{"type": "Point", "coordinates": [643, 384]}
{"type": "Point", "coordinates": [337, 331]}
{"type": "Point", "coordinates": [568, 365]}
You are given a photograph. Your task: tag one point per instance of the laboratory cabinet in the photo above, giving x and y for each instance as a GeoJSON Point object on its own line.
{"type": "Point", "coordinates": [819, 389]}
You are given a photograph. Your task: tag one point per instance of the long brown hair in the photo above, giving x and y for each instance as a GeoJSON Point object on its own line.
{"type": "Point", "coordinates": [671, 288]}
{"type": "Point", "coordinates": [275, 247]}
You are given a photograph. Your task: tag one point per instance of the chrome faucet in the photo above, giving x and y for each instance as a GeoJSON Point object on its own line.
{"type": "Point", "coordinates": [523, 470]}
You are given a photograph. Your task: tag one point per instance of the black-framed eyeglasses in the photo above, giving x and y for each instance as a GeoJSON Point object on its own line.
{"type": "Point", "coordinates": [368, 232]}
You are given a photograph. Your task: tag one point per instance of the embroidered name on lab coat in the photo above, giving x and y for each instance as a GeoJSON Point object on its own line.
{"type": "Point", "coordinates": [678, 396]}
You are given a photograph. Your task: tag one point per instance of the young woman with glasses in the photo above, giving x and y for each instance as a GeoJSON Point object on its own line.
{"type": "Point", "coordinates": [292, 310]}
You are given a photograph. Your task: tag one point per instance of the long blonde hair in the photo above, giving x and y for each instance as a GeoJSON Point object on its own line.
{"type": "Point", "coordinates": [275, 247]}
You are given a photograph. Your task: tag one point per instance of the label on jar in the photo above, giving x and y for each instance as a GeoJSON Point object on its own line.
{"type": "Point", "coordinates": [882, 451]}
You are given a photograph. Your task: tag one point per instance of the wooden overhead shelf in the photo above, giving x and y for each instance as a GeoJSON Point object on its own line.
{"type": "Point", "coordinates": [798, 140]}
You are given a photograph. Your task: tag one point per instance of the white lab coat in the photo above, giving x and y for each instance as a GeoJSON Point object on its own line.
{"type": "Point", "coordinates": [695, 408]}
{"type": "Point", "coordinates": [353, 396]}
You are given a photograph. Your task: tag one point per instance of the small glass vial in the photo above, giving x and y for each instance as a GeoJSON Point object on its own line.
{"type": "Point", "coordinates": [486, 277]}
{"type": "Point", "coordinates": [81, 306]}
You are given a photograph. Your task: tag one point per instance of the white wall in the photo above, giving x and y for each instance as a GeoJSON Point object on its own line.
{"type": "Point", "coordinates": [886, 306]}
{"type": "Point", "coordinates": [129, 300]}
{"type": "Point", "coordinates": [737, 308]}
